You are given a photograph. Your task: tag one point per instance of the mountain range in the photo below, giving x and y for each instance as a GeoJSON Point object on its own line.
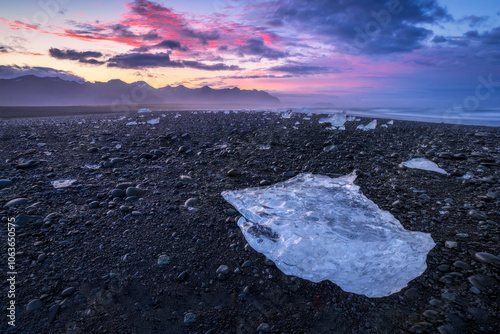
{"type": "Point", "coordinates": [31, 90]}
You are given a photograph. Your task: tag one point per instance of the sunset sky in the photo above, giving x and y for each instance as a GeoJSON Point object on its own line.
{"type": "Point", "coordinates": [358, 53]}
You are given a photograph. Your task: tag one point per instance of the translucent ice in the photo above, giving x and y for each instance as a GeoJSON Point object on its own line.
{"type": "Point", "coordinates": [144, 110]}
{"type": "Point", "coordinates": [154, 121]}
{"type": "Point", "coordinates": [287, 114]}
{"type": "Point", "coordinates": [336, 119]}
{"type": "Point", "coordinates": [319, 228]}
{"type": "Point", "coordinates": [62, 183]}
{"type": "Point", "coordinates": [424, 164]}
{"type": "Point", "coordinates": [370, 126]}
{"type": "Point", "coordinates": [132, 123]}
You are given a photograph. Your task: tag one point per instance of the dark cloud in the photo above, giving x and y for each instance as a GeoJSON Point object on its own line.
{"type": "Point", "coordinates": [14, 71]}
{"type": "Point", "coordinates": [256, 47]}
{"type": "Point", "coordinates": [142, 60]}
{"type": "Point", "coordinates": [165, 44]}
{"type": "Point", "coordinates": [202, 36]}
{"type": "Point", "coordinates": [149, 60]}
{"type": "Point", "coordinates": [5, 49]}
{"type": "Point", "coordinates": [168, 44]}
{"type": "Point", "coordinates": [86, 57]}
{"type": "Point", "coordinates": [214, 67]}
{"type": "Point", "coordinates": [473, 20]}
{"type": "Point", "coordinates": [491, 37]}
{"type": "Point", "coordinates": [301, 69]}
{"type": "Point", "coordinates": [451, 41]}
{"type": "Point", "coordinates": [358, 26]}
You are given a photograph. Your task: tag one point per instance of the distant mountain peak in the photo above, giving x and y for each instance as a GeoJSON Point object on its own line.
{"type": "Point", "coordinates": [30, 90]}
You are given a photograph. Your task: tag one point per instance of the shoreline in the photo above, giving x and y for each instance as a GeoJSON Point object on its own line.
{"type": "Point", "coordinates": [106, 245]}
{"type": "Point", "coordinates": [70, 111]}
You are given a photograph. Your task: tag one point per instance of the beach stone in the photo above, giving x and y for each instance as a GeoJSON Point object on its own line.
{"type": "Point", "coordinates": [17, 202]}
{"type": "Point", "coordinates": [483, 282]}
{"type": "Point", "coordinates": [459, 156]}
{"type": "Point", "coordinates": [488, 258]}
{"type": "Point", "coordinates": [53, 310]}
{"type": "Point", "coordinates": [27, 165]}
{"type": "Point", "coordinates": [146, 156]}
{"type": "Point", "coordinates": [233, 172]}
{"type": "Point", "coordinates": [192, 202]}
{"type": "Point", "coordinates": [34, 305]}
{"type": "Point", "coordinates": [41, 257]}
{"type": "Point", "coordinates": [247, 263]}
{"type": "Point", "coordinates": [163, 259]}
{"type": "Point", "coordinates": [289, 174]}
{"type": "Point", "coordinates": [462, 265]}
{"type": "Point", "coordinates": [445, 155]}
{"type": "Point", "coordinates": [182, 276]}
{"type": "Point", "coordinates": [94, 204]}
{"type": "Point", "coordinates": [68, 292]}
{"type": "Point", "coordinates": [189, 318]}
{"type": "Point", "coordinates": [450, 296]}
{"type": "Point", "coordinates": [117, 193]}
{"type": "Point", "coordinates": [116, 161]}
{"type": "Point", "coordinates": [133, 191]}
{"type": "Point", "coordinates": [477, 215]}
{"type": "Point", "coordinates": [186, 178]}
{"type": "Point", "coordinates": [430, 314]}
{"type": "Point", "coordinates": [158, 153]}
{"type": "Point", "coordinates": [124, 186]}
{"type": "Point", "coordinates": [264, 328]}
{"type": "Point", "coordinates": [223, 269]}
{"type": "Point", "coordinates": [412, 293]}
{"type": "Point", "coordinates": [23, 220]}
{"type": "Point", "coordinates": [5, 183]}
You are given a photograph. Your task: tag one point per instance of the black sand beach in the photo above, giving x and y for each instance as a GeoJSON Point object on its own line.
{"type": "Point", "coordinates": [87, 255]}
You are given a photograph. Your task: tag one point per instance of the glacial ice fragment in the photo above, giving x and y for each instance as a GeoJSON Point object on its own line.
{"type": "Point", "coordinates": [144, 110]}
{"type": "Point", "coordinates": [423, 164]}
{"type": "Point", "coordinates": [370, 126]}
{"type": "Point", "coordinates": [287, 114]}
{"type": "Point", "coordinates": [62, 183]}
{"type": "Point", "coordinates": [321, 228]}
{"type": "Point", "coordinates": [337, 119]}
{"type": "Point", "coordinates": [154, 121]}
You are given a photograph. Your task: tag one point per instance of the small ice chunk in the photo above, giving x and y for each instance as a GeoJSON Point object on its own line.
{"type": "Point", "coordinates": [132, 123]}
{"type": "Point", "coordinates": [321, 228]}
{"type": "Point", "coordinates": [351, 119]}
{"type": "Point", "coordinates": [91, 166]}
{"type": "Point", "coordinates": [330, 148]}
{"type": "Point", "coordinates": [118, 146]}
{"type": "Point", "coordinates": [287, 114]}
{"type": "Point", "coordinates": [467, 176]}
{"type": "Point", "coordinates": [154, 121]}
{"type": "Point", "coordinates": [370, 126]}
{"type": "Point", "coordinates": [264, 147]}
{"type": "Point", "coordinates": [423, 164]}
{"type": "Point", "coordinates": [144, 110]}
{"type": "Point", "coordinates": [177, 115]}
{"type": "Point", "coordinates": [390, 122]}
{"type": "Point", "coordinates": [384, 126]}
{"type": "Point", "coordinates": [62, 183]}
{"type": "Point", "coordinates": [336, 119]}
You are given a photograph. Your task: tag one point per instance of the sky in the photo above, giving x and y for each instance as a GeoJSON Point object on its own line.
{"type": "Point", "coordinates": [343, 53]}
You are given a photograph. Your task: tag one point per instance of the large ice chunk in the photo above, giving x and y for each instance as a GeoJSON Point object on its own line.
{"type": "Point", "coordinates": [320, 228]}
{"type": "Point", "coordinates": [337, 119]}
{"type": "Point", "coordinates": [424, 164]}
{"type": "Point", "coordinates": [370, 126]}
